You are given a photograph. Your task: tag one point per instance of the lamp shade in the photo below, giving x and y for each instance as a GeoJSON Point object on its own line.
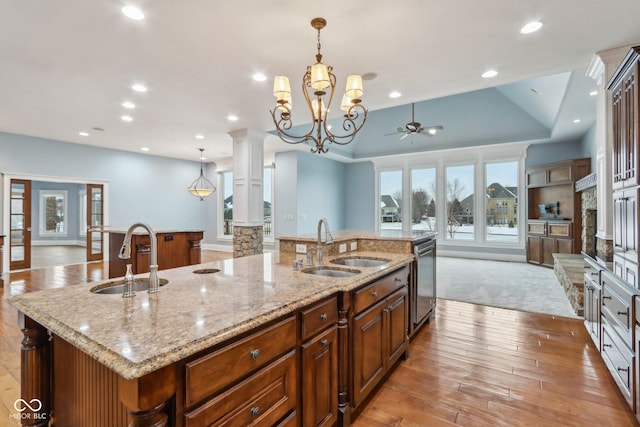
{"type": "Point", "coordinates": [319, 76]}
{"type": "Point", "coordinates": [318, 107]}
{"type": "Point", "coordinates": [346, 103]}
{"type": "Point", "coordinates": [354, 86]}
{"type": "Point", "coordinates": [281, 88]}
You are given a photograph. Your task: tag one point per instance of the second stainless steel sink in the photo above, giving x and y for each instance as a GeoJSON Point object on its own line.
{"type": "Point", "coordinates": [331, 271]}
{"type": "Point", "coordinates": [360, 261]}
{"type": "Point", "coordinates": [116, 287]}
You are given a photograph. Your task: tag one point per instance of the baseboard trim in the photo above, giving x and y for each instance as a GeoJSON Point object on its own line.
{"type": "Point", "coordinates": [82, 243]}
{"type": "Point", "coordinates": [485, 255]}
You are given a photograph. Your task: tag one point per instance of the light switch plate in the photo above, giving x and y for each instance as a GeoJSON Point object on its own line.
{"type": "Point", "coordinates": [354, 246]}
{"type": "Point", "coordinates": [301, 249]}
{"type": "Point", "coordinates": [343, 248]}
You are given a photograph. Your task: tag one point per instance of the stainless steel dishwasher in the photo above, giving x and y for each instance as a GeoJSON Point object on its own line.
{"type": "Point", "coordinates": [424, 285]}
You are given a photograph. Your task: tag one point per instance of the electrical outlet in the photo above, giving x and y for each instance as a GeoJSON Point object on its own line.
{"type": "Point", "coordinates": [301, 249]}
{"type": "Point", "coordinates": [343, 248]}
{"type": "Point", "coordinates": [354, 246]}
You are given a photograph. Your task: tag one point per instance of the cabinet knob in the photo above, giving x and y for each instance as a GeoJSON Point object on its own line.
{"type": "Point", "coordinates": [324, 342]}
{"type": "Point", "coordinates": [255, 411]}
{"type": "Point", "coordinates": [324, 316]}
{"type": "Point", "coordinates": [374, 294]}
{"type": "Point", "coordinates": [254, 353]}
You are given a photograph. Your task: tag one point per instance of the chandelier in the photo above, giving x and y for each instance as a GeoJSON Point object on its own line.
{"type": "Point", "coordinates": [317, 81]}
{"type": "Point", "coordinates": [201, 187]}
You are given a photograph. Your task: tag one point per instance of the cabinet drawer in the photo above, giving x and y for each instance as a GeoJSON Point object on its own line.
{"type": "Point", "coordinates": [560, 175]}
{"type": "Point", "coordinates": [214, 371]}
{"type": "Point", "coordinates": [537, 228]}
{"type": "Point", "coordinates": [379, 289]}
{"type": "Point", "coordinates": [261, 400]}
{"type": "Point", "coordinates": [318, 317]}
{"type": "Point", "coordinates": [619, 360]}
{"type": "Point", "coordinates": [616, 306]}
{"type": "Point", "coordinates": [556, 229]}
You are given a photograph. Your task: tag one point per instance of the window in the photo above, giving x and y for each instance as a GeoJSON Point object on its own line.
{"type": "Point", "coordinates": [460, 206]}
{"type": "Point", "coordinates": [423, 199]}
{"type": "Point", "coordinates": [83, 212]}
{"type": "Point", "coordinates": [391, 201]}
{"type": "Point", "coordinates": [53, 213]}
{"type": "Point", "coordinates": [502, 202]}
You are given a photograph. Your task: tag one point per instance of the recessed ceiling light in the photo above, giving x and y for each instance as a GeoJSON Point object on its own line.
{"type": "Point", "coordinates": [232, 118]}
{"type": "Point", "coordinates": [199, 136]}
{"type": "Point", "coordinates": [369, 76]}
{"type": "Point", "coordinates": [395, 94]}
{"type": "Point", "coordinates": [139, 87]}
{"type": "Point", "coordinates": [144, 148]}
{"type": "Point", "coordinates": [132, 12]}
{"type": "Point", "coordinates": [259, 77]}
{"type": "Point", "coordinates": [129, 105]}
{"type": "Point", "coordinates": [536, 91]}
{"type": "Point", "coordinates": [127, 118]}
{"type": "Point", "coordinates": [576, 121]}
{"type": "Point", "coordinates": [203, 158]}
{"type": "Point", "coordinates": [489, 74]}
{"type": "Point", "coordinates": [83, 133]}
{"type": "Point", "coordinates": [593, 93]}
{"type": "Point", "coordinates": [531, 27]}
{"type": "Point", "coordinates": [98, 129]}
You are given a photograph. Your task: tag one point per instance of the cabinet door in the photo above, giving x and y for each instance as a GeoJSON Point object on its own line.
{"type": "Point", "coordinates": [619, 164]}
{"type": "Point", "coordinates": [592, 310]}
{"type": "Point", "coordinates": [619, 222]}
{"type": "Point", "coordinates": [534, 249]}
{"type": "Point", "coordinates": [320, 379]}
{"type": "Point", "coordinates": [396, 323]}
{"type": "Point", "coordinates": [368, 351]}
{"type": "Point", "coordinates": [564, 246]}
{"type": "Point", "coordinates": [630, 224]}
{"type": "Point", "coordinates": [560, 174]}
{"type": "Point", "coordinates": [536, 177]}
{"type": "Point", "coordinates": [630, 127]}
{"type": "Point", "coordinates": [548, 248]}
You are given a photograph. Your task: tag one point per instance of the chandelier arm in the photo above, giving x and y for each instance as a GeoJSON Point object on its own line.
{"type": "Point", "coordinates": [284, 124]}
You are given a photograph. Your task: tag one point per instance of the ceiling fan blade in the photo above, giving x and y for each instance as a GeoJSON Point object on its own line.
{"type": "Point", "coordinates": [393, 133]}
{"type": "Point", "coordinates": [403, 136]}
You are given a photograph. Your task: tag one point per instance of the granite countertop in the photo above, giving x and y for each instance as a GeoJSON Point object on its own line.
{"type": "Point", "coordinates": [141, 230]}
{"type": "Point", "coordinates": [342, 235]}
{"type": "Point", "coordinates": [136, 336]}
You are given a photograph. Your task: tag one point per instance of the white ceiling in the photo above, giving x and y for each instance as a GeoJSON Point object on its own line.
{"type": "Point", "coordinates": [66, 66]}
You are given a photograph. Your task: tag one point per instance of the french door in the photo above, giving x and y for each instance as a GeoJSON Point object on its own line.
{"type": "Point", "coordinates": [20, 212]}
{"type": "Point", "coordinates": [95, 222]}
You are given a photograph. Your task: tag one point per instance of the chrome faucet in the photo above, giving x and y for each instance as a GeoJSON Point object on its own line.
{"type": "Point", "coordinates": [327, 237]}
{"type": "Point", "coordinates": [125, 253]}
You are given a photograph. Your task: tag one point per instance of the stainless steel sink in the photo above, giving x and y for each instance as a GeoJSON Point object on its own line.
{"type": "Point", "coordinates": [331, 271]}
{"type": "Point", "coordinates": [117, 287]}
{"type": "Point", "coordinates": [360, 261]}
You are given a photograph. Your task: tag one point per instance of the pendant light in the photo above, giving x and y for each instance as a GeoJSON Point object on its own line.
{"type": "Point", "coordinates": [201, 187]}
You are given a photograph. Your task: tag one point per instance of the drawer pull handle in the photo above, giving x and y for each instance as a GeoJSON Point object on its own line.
{"type": "Point", "coordinates": [606, 345]}
{"type": "Point", "coordinates": [623, 369]}
{"type": "Point", "coordinates": [255, 411]}
{"type": "Point", "coordinates": [623, 313]}
{"type": "Point", "coordinates": [606, 297]}
{"type": "Point", "coordinates": [324, 342]}
{"type": "Point", "coordinates": [255, 353]}
{"type": "Point", "coordinates": [398, 280]}
{"type": "Point", "coordinates": [324, 316]}
{"type": "Point", "coordinates": [374, 294]}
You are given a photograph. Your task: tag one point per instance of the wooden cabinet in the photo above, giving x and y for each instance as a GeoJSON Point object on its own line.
{"type": "Point", "coordinates": [175, 249]}
{"type": "Point", "coordinates": [544, 238]}
{"type": "Point", "coordinates": [319, 351]}
{"type": "Point", "coordinates": [554, 213]}
{"type": "Point", "coordinates": [624, 89]}
{"type": "Point", "coordinates": [592, 298]}
{"type": "Point", "coordinates": [1, 253]}
{"type": "Point", "coordinates": [379, 331]}
{"type": "Point", "coordinates": [252, 381]}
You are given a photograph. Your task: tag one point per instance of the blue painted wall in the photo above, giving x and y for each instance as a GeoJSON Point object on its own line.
{"type": "Point", "coordinates": [360, 204]}
{"type": "Point", "coordinates": [541, 154]}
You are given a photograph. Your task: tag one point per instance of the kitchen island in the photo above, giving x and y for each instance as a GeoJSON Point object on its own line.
{"type": "Point", "coordinates": [229, 341]}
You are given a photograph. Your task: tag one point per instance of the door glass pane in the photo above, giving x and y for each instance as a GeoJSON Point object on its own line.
{"type": "Point", "coordinates": [423, 199]}
{"type": "Point", "coordinates": [460, 216]}
{"type": "Point", "coordinates": [391, 201]}
{"type": "Point", "coordinates": [96, 242]}
{"type": "Point", "coordinates": [268, 202]}
{"type": "Point", "coordinates": [502, 202]}
{"type": "Point", "coordinates": [17, 207]}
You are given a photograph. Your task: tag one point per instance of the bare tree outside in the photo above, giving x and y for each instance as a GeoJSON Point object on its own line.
{"type": "Point", "coordinates": [455, 190]}
{"type": "Point", "coordinates": [419, 203]}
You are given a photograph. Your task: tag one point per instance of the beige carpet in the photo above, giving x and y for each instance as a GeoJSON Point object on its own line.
{"type": "Point", "coordinates": [513, 285]}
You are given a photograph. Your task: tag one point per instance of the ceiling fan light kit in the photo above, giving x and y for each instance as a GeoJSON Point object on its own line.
{"type": "Point", "coordinates": [414, 127]}
{"type": "Point", "coordinates": [318, 81]}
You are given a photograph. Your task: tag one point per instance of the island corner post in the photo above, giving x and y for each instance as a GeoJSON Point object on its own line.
{"type": "Point", "coordinates": [144, 398]}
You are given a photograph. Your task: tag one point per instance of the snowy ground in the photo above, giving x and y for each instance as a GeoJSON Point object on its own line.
{"type": "Point", "coordinates": [495, 233]}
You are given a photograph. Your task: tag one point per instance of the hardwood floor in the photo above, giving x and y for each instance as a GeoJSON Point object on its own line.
{"type": "Point", "coordinates": [471, 366]}
{"type": "Point", "coordinates": [483, 366]}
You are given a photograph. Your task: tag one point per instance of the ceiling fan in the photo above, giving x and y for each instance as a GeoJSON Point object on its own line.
{"type": "Point", "coordinates": [414, 127]}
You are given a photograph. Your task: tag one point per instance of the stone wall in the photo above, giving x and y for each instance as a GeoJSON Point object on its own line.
{"type": "Point", "coordinates": [589, 225]}
{"type": "Point", "coordinates": [247, 241]}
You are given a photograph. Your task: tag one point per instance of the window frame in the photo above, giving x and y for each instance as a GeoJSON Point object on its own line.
{"type": "Point", "coordinates": [42, 195]}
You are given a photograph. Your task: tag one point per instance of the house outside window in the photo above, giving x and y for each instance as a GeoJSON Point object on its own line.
{"type": "Point", "coordinates": [391, 201]}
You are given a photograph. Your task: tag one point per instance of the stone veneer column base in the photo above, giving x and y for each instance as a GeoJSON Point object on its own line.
{"type": "Point", "coordinates": [604, 249]}
{"type": "Point", "coordinates": [247, 240]}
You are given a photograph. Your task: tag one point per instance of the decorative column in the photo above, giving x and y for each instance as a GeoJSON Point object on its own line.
{"type": "Point", "coordinates": [602, 67]}
{"type": "Point", "coordinates": [248, 203]}
{"type": "Point", "coordinates": [35, 377]}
